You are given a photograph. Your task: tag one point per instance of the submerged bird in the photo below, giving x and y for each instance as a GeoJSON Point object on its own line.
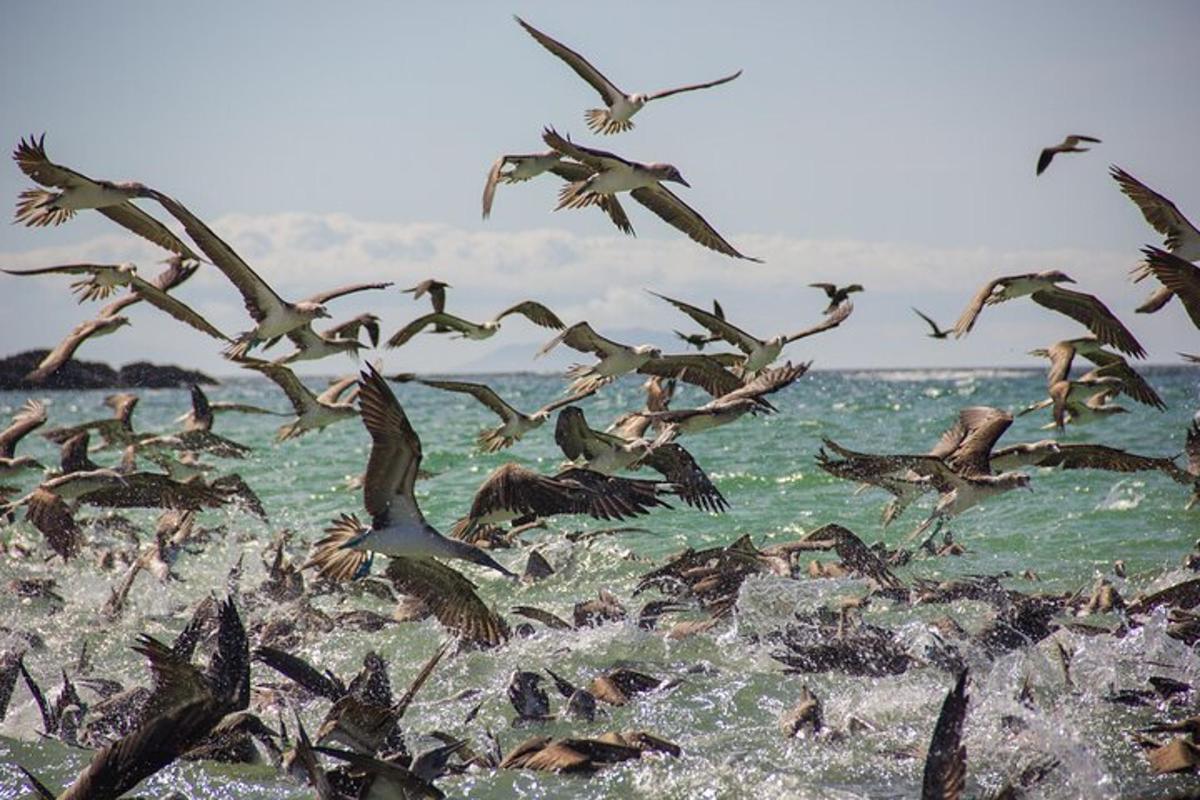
{"type": "Point", "coordinates": [760, 353]}
{"type": "Point", "coordinates": [78, 192]}
{"type": "Point", "coordinates": [398, 528]}
{"type": "Point", "coordinates": [1068, 145]}
{"type": "Point", "coordinates": [620, 107]}
{"type": "Point", "coordinates": [613, 174]}
{"type": "Point", "coordinates": [535, 312]}
{"type": "Point", "coordinates": [937, 333]}
{"type": "Point", "coordinates": [1180, 236]}
{"type": "Point", "coordinates": [515, 424]}
{"type": "Point", "coordinates": [1180, 276]}
{"type": "Point", "coordinates": [1043, 289]}
{"type": "Point", "coordinates": [836, 294]}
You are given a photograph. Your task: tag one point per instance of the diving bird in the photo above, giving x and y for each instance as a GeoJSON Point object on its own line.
{"type": "Point", "coordinates": [836, 294]}
{"type": "Point", "coordinates": [104, 279]}
{"type": "Point", "coordinates": [1180, 236]}
{"type": "Point", "coordinates": [1180, 276]}
{"type": "Point", "coordinates": [1068, 145]}
{"type": "Point", "coordinates": [39, 208]}
{"type": "Point", "coordinates": [29, 418]}
{"type": "Point", "coordinates": [535, 312]}
{"type": "Point", "coordinates": [90, 329]}
{"type": "Point", "coordinates": [613, 174]}
{"type": "Point", "coordinates": [608, 454]}
{"type": "Point", "coordinates": [1108, 365]}
{"type": "Point", "coordinates": [615, 359]}
{"type": "Point", "coordinates": [313, 412]}
{"type": "Point", "coordinates": [398, 528]}
{"type": "Point", "coordinates": [620, 107]}
{"type": "Point", "coordinates": [514, 424]}
{"type": "Point", "coordinates": [274, 316]}
{"type": "Point", "coordinates": [937, 333]}
{"type": "Point", "coordinates": [760, 353]}
{"type": "Point", "coordinates": [524, 167]}
{"type": "Point", "coordinates": [1043, 289]}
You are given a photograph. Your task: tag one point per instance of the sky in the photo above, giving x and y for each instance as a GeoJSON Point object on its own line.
{"type": "Point", "coordinates": [886, 144]}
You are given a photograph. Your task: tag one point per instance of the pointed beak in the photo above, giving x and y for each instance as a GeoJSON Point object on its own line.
{"type": "Point", "coordinates": [681, 180]}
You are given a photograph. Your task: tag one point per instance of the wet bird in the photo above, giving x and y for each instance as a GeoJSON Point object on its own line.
{"type": "Point", "coordinates": [759, 353]}
{"type": "Point", "coordinates": [104, 279]}
{"type": "Point", "coordinates": [609, 454]}
{"type": "Point", "coordinates": [1180, 276]}
{"type": "Point", "coordinates": [836, 294]}
{"type": "Point", "coordinates": [514, 424]}
{"type": "Point", "coordinates": [313, 412]}
{"type": "Point", "coordinates": [937, 332]}
{"type": "Point", "coordinates": [1043, 289]}
{"type": "Point", "coordinates": [78, 192]}
{"type": "Point", "coordinates": [29, 418]}
{"type": "Point", "coordinates": [613, 174]}
{"type": "Point", "coordinates": [1068, 145]}
{"type": "Point", "coordinates": [535, 312]}
{"type": "Point", "coordinates": [1180, 236]}
{"type": "Point", "coordinates": [620, 107]}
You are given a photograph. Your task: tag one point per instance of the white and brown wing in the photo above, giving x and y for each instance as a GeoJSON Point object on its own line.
{"type": "Point", "coordinates": [176, 308]}
{"type": "Point", "coordinates": [67, 347]}
{"type": "Point", "coordinates": [598, 160]}
{"type": "Point", "coordinates": [678, 214]}
{"type": "Point", "coordinates": [966, 320]}
{"type": "Point", "coordinates": [420, 323]}
{"type": "Point", "coordinates": [981, 426]}
{"type": "Point", "coordinates": [945, 774]}
{"type": "Point", "coordinates": [298, 394]}
{"type": "Point", "coordinates": [608, 92]}
{"type": "Point", "coordinates": [693, 485]}
{"type": "Point", "coordinates": [450, 597]}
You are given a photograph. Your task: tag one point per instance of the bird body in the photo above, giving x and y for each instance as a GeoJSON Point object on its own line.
{"type": "Point", "coordinates": [1068, 145]}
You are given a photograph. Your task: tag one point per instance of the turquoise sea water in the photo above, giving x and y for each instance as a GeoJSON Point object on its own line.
{"type": "Point", "coordinates": [724, 713]}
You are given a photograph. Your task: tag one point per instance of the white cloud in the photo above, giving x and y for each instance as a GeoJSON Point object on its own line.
{"type": "Point", "coordinates": [599, 278]}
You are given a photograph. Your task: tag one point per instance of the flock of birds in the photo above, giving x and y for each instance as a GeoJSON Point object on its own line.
{"type": "Point", "coordinates": [204, 712]}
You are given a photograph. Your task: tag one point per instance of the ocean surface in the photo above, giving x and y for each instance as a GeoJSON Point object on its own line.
{"type": "Point", "coordinates": [724, 710]}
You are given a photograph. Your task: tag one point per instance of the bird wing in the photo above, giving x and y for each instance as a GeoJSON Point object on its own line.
{"type": "Point", "coordinates": [696, 369]}
{"type": "Point", "coordinates": [31, 158]}
{"type": "Point", "coordinates": [395, 448]}
{"type": "Point", "coordinates": [598, 160]}
{"type": "Point", "coordinates": [1090, 311]}
{"type": "Point", "coordinates": [1132, 383]}
{"type": "Point", "coordinates": [334, 391]}
{"type": "Point", "coordinates": [1044, 159]}
{"type": "Point", "coordinates": [321, 298]}
{"type": "Point", "coordinates": [202, 412]}
{"type": "Point", "coordinates": [481, 392]}
{"type": "Point", "coordinates": [936, 330]}
{"type": "Point", "coordinates": [945, 773]}
{"type": "Point", "coordinates": [31, 417]}
{"type": "Point", "coordinates": [1161, 213]}
{"type": "Point", "coordinates": [1192, 448]}
{"type": "Point", "coordinates": [679, 467]}
{"type": "Point", "coordinates": [176, 308]}
{"type": "Point", "coordinates": [489, 189]}
{"type": "Point", "coordinates": [535, 312]}
{"type": "Point", "coordinates": [521, 491]}
{"type": "Point", "coordinates": [350, 328]}
{"type": "Point", "coordinates": [562, 402]}
{"type": "Point", "coordinates": [831, 320]}
{"type": "Point", "coordinates": [716, 325]}
{"type": "Point", "coordinates": [134, 219]}
{"type": "Point", "coordinates": [435, 318]}
{"type": "Point", "coordinates": [1099, 456]}
{"type": "Point", "coordinates": [663, 202]}
{"type": "Point", "coordinates": [767, 382]}
{"type": "Point", "coordinates": [299, 395]}
{"type": "Point", "coordinates": [87, 290]}
{"type": "Point", "coordinates": [609, 93]}
{"type": "Point", "coordinates": [67, 347]}
{"type": "Point", "coordinates": [982, 426]}
{"type": "Point", "coordinates": [1061, 354]}
{"type": "Point", "coordinates": [691, 87]}
{"type": "Point", "coordinates": [967, 320]}
{"type": "Point", "coordinates": [1178, 275]}
{"type": "Point", "coordinates": [581, 337]}
{"type": "Point", "coordinates": [572, 434]}
{"type": "Point", "coordinates": [257, 295]}
{"type": "Point", "coordinates": [450, 597]}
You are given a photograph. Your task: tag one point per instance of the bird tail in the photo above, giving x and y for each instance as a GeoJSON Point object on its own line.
{"type": "Point", "coordinates": [576, 195]}
{"type": "Point", "coordinates": [35, 208]}
{"type": "Point", "coordinates": [240, 347]}
{"type": "Point", "coordinates": [490, 441]}
{"type": "Point", "coordinates": [333, 556]}
{"type": "Point", "coordinates": [600, 121]}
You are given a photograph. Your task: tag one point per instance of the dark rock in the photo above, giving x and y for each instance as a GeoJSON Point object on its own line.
{"type": "Point", "coordinates": [77, 374]}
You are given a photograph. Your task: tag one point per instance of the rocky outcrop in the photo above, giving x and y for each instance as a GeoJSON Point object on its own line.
{"type": "Point", "coordinates": [77, 374]}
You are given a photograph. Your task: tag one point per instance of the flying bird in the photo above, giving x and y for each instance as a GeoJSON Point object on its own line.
{"type": "Point", "coordinates": [836, 294]}
{"type": "Point", "coordinates": [1180, 236]}
{"type": "Point", "coordinates": [39, 208]}
{"type": "Point", "coordinates": [514, 424]}
{"type": "Point", "coordinates": [1068, 145]}
{"type": "Point", "coordinates": [615, 359]}
{"type": "Point", "coordinates": [936, 332]}
{"type": "Point", "coordinates": [1108, 365]}
{"type": "Point", "coordinates": [620, 107]}
{"type": "Point", "coordinates": [29, 418]}
{"type": "Point", "coordinates": [313, 412]}
{"type": "Point", "coordinates": [434, 288]}
{"type": "Point", "coordinates": [535, 312]}
{"type": "Point", "coordinates": [528, 166]}
{"type": "Point", "coordinates": [613, 174]}
{"type": "Point", "coordinates": [92, 328]}
{"type": "Point", "coordinates": [729, 407]}
{"type": "Point", "coordinates": [1043, 289]}
{"type": "Point", "coordinates": [759, 353]}
{"type": "Point", "coordinates": [1180, 276]}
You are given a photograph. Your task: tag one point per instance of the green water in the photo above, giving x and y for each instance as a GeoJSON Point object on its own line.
{"type": "Point", "coordinates": [1069, 530]}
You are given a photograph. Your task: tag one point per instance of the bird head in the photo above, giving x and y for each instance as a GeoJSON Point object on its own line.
{"type": "Point", "coordinates": [1057, 276]}
{"type": "Point", "coordinates": [648, 350]}
{"type": "Point", "coordinates": [668, 172]}
{"type": "Point", "coordinates": [311, 310]}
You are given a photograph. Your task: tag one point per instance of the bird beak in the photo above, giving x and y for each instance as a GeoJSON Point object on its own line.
{"type": "Point", "coordinates": [681, 180]}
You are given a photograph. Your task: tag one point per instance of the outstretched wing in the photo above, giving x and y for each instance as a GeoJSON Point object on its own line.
{"type": "Point", "coordinates": [1161, 213]}
{"type": "Point", "coordinates": [691, 87]}
{"type": "Point", "coordinates": [608, 92]}
{"type": "Point", "coordinates": [395, 448]}
{"type": "Point", "coordinates": [673, 211]}
{"type": "Point", "coordinates": [831, 321]}
{"type": "Point", "coordinates": [715, 324]}
{"type": "Point", "coordinates": [581, 337]}
{"type": "Point", "coordinates": [1090, 311]}
{"type": "Point", "coordinates": [535, 312]}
